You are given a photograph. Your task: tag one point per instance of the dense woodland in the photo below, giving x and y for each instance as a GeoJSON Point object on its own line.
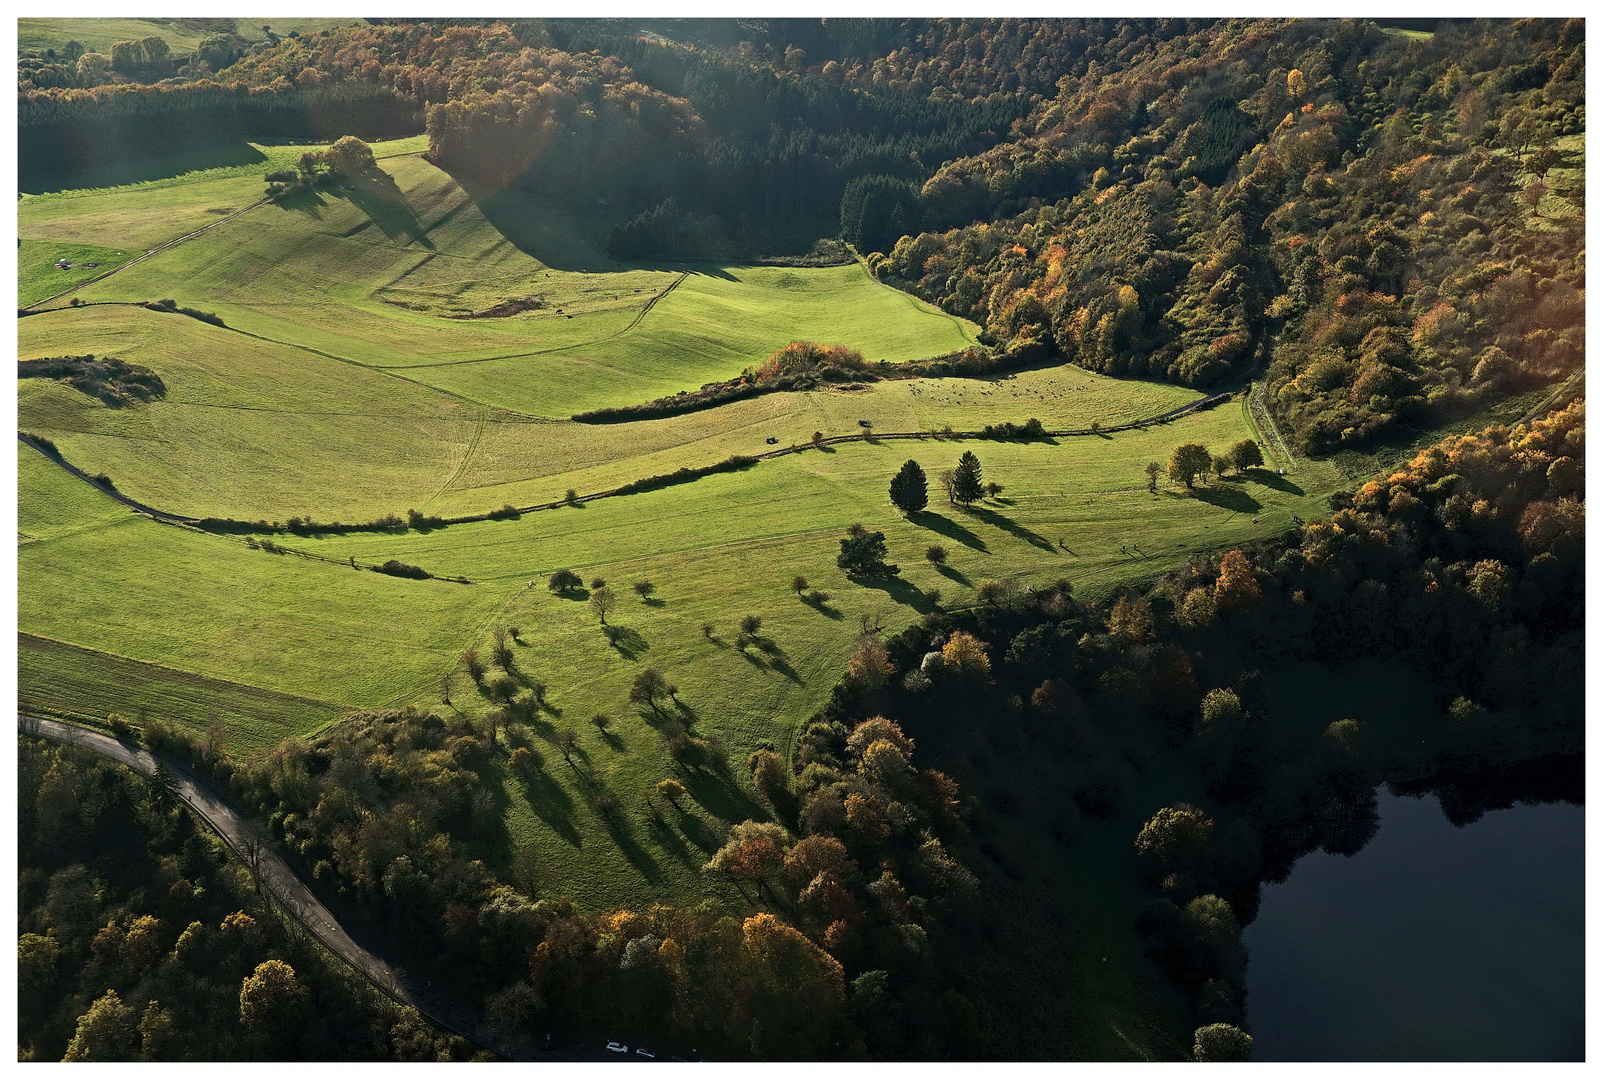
{"type": "Point", "coordinates": [140, 939]}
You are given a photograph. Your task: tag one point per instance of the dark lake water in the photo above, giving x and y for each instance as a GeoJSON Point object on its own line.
{"type": "Point", "coordinates": [1433, 943]}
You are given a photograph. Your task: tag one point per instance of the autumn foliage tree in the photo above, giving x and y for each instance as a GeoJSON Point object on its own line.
{"type": "Point", "coordinates": [1237, 588]}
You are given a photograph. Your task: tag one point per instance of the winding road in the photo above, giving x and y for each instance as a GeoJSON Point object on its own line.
{"type": "Point", "coordinates": [292, 894]}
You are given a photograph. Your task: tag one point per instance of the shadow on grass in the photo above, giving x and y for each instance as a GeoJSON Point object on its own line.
{"type": "Point", "coordinates": [823, 608]}
{"type": "Point", "coordinates": [955, 575]}
{"type": "Point", "coordinates": [614, 743]}
{"type": "Point", "coordinates": [652, 601]}
{"type": "Point", "coordinates": [663, 835]}
{"type": "Point", "coordinates": [1228, 498]}
{"type": "Point", "coordinates": [309, 203]}
{"type": "Point", "coordinates": [628, 642]}
{"type": "Point", "coordinates": [902, 592]}
{"type": "Point", "coordinates": [199, 153]}
{"type": "Point", "coordinates": [377, 196]}
{"type": "Point", "coordinates": [618, 827]}
{"type": "Point", "coordinates": [1279, 483]}
{"type": "Point", "coordinates": [721, 797]}
{"type": "Point", "coordinates": [1008, 525]}
{"type": "Point", "coordinates": [948, 528]}
{"type": "Point", "coordinates": [552, 805]}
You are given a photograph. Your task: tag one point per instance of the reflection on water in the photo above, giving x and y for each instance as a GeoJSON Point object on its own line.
{"type": "Point", "coordinates": [1433, 943]}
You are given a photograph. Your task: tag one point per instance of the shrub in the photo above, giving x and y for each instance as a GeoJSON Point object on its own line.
{"type": "Point", "coordinates": [396, 568]}
{"type": "Point", "coordinates": [564, 581]}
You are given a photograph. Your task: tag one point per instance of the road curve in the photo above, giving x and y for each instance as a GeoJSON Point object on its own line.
{"type": "Point", "coordinates": [281, 882]}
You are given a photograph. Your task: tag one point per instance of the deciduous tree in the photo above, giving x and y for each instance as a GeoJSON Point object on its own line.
{"type": "Point", "coordinates": [1189, 461]}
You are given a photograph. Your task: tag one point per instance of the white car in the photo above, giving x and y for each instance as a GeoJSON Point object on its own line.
{"type": "Point", "coordinates": [643, 1052]}
{"type": "Point", "coordinates": [617, 1048]}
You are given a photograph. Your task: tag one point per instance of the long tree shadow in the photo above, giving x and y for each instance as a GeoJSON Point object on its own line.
{"type": "Point", "coordinates": [954, 574]}
{"type": "Point", "coordinates": [618, 828]}
{"type": "Point", "coordinates": [722, 798]}
{"type": "Point", "coordinates": [663, 835]}
{"type": "Point", "coordinates": [628, 642]}
{"type": "Point", "coordinates": [902, 592]}
{"type": "Point", "coordinates": [614, 743]}
{"type": "Point", "coordinates": [1228, 498]}
{"type": "Point", "coordinates": [309, 203]}
{"type": "Point", "coordinates": [552, 805]}
{"type": "Point", "coordinates": [777, 659]}
{"type": "Point", "coordinates": [1008, 525]}
{"type": "Point", "coordinates": [823, 608]}
{"type": "Point", "coordinates": [378, 196]}
{"type": "Point", "coordinates": [948, 528]}
{"type": "Point", "coordinates": [1279, 483]}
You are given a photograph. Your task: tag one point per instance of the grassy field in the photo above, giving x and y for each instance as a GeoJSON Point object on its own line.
{"type": "Point", "coordinates": [58, 679]}
{"type": "Point", "coordinates": [338, 391]}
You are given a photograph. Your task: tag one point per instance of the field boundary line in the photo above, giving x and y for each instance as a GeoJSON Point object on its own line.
{"type": "Point", "coordinates": [153, 251]}
{"type": "Point", "coordinates": [392, 368]}
{"type": "Point", "coordinates": [670, 479]}
{"type": "Point", "coordinates": [337, 706]}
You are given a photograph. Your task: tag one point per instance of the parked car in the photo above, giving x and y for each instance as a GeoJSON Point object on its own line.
{"type": "Point", "coordinates": [643, 1052]}
{"type": "Point", "coordinates": [617, 1048]}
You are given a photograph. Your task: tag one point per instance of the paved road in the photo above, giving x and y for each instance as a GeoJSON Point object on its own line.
{"type": "Point", "coordinates": [278, 879]}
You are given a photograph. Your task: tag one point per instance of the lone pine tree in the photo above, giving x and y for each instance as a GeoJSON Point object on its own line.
{"type": "Point", "coordinates": [910, 488]}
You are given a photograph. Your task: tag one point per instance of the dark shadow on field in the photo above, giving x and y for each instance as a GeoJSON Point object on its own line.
{"type": "Point", "coordinates": [1228, 498]}
{"type": "Point", "coordinates": [773, 657]}
{"type": "Point", "coordinates": [201, 154]}
{"type": "Point", "coordinates": [310, 203]}
{"type": "Point", "coordinates": [948, 528]}
{"type": "Point", "coordinates": [628, 642]}
{"type": "Point", "coordinates": [524, 224]}
{"type": "Point", "coordinates": [721, 797]}
{"type": "Point", "coordinates": [956, 575]}
{"type": "Point", "coordinates": [1008, 525]}
{"type": "Point", "coordinates": [662, 834]}
{"type": "Point", "coordinates": [652, 601]}
{"type": "Point", "coordinates": [551, 805]}
{"type": "Point", "coordinates": [1279, 483]}
{"type": "Point", "coordinates": [900, 591]}
{"type": "Point", "coordinates": [378, 196]}
{"type": "Point", "coordinates": [615, 744]}
{"type": "Point", "coordinates": [823, 608]}
{"type": "Point", "coordinates": [618, 827]}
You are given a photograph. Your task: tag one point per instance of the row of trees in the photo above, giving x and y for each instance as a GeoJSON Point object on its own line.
{"type": "Point", "coordinates": [963, 484]}
{"type": "Point", "coordinates": [1192, 461]}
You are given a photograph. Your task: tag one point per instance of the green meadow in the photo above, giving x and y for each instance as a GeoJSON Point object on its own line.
{"type": "Point", "coordinates": [341, 389]}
